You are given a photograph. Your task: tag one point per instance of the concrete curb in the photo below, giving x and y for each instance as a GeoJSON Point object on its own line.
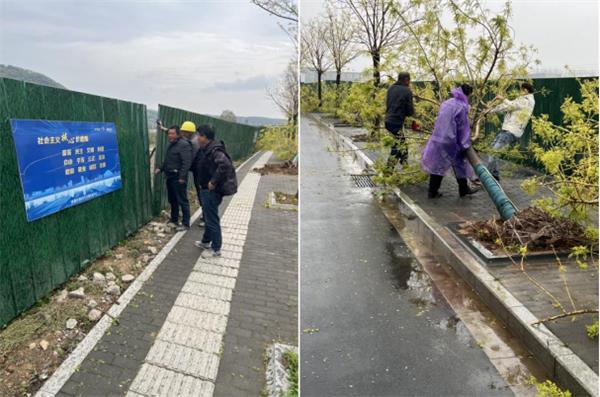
{"type": "Point", "coordinates": [276, 374]}
{"type": "Point", "coordinates": [53, 385]}
{"type": "Point", "coordinates": [273, 204]}
{"type": "Point", "coordinates": [559, 360]}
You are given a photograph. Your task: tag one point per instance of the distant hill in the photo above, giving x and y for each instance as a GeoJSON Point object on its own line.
{"type": "Point", "coordinates": [17, 73]}
{"type": "Point", "coordinates": [260, 121]}
{"type": "Point", "coordinates": [152, 116]}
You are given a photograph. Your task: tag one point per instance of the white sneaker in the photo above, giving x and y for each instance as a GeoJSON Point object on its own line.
{"type": "Point", "coordinates": [172, 224]}
{"type": "Point", "coordinates": [210, 253]}
{"type": "Point", "coordinates": [200, 244]}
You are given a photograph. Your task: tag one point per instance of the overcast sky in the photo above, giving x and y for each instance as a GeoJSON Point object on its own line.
{"type": "Point", "coordinates": [565, 32]}
{"type": "Point", "coordinates": [204, 56]}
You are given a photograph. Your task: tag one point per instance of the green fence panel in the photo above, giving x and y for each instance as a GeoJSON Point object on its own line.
{"type": "Point", "coordinates": [39, 256]}
{"type": "Point", "coordinates": [240, 140]}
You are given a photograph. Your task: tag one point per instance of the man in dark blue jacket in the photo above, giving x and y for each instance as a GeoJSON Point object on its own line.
{"type": "Point", "coordinates": [217, 179]}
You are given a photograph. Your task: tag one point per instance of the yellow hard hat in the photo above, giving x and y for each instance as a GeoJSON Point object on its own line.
{"type": "Point", "coordinates": [188, 126]}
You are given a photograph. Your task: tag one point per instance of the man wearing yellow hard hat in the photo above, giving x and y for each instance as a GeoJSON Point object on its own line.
{"type": "Point", "coordinates": [178, 160]}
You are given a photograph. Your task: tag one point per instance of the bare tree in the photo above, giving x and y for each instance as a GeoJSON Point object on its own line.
{"type": "Point", "coordinates": [287, 10]}
{"type": "Point", "coordinates": [285, 95]}
{"type": "Point", "coordinates": [314, 51]}
{"type": "Point", "coordinates": [379, 27]}
{"type": "Point", "coordinates": [338, 40]}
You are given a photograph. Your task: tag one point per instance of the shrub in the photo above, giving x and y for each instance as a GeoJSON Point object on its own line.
{"type": "Point", "coordinates": [281, 140]}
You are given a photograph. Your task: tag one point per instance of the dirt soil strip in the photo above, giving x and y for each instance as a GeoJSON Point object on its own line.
{"type": "Point", "coordinates": [187, 348]}
{"type": "Point", "coordinates": [557, 355]}
{"type": "Point", "coordinates": [69, 366]}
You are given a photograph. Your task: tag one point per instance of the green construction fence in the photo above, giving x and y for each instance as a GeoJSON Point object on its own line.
{"type": "Point", "coordinates": [240, 140]}
{"type": "Point", "coordinates": [39, 256]}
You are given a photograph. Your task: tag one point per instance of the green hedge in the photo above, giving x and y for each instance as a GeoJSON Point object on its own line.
{"type": "Point", "coordinates": [239, 140]}
{"type": "Point", "coordinates": [37, 257]}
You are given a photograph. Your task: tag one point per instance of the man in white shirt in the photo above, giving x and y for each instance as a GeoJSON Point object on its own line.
{"type": "Point", "coordinates": [517, 114]}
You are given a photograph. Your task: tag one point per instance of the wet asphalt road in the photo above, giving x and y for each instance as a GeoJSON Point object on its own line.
{"type": "Point", "coordinates": [371, 322]}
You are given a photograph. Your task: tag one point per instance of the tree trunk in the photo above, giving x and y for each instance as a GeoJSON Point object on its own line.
{"type": "Point", "coordinates": [338, 79]}
{"type": "Point", "coordinates": [376, 56]}
{"type": "Point", "coordinates": [319, 94]}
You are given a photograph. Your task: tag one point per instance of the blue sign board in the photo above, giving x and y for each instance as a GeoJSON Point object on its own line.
{"type": "Point", "coordinates": [65, 163]}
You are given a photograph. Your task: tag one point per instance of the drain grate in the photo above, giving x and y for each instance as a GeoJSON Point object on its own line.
{"type": "Point", "coordinates": [362, 180]}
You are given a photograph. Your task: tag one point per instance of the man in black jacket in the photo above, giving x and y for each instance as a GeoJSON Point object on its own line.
{"type": "Point", "coordinates": [178, 160]}
{"type": "Point", "coordinates": [217, 179]}
{"type": "Point", "coordinates": [399, 106]}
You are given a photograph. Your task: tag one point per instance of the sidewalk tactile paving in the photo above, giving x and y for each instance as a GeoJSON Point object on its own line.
{"type": "Point", "coordinates": [207, 290]}
{"type": "Point", "coordinates": [211, 279]}
{"type": "Point", "coordinates": [154, 381]}
{"type": "Point", "coordinates": [194, 318]}
{"type": "Point", "coordinates": [184, 359]}
{"type": "Point", "coordinates": [216, 269]}
{"type": "Point", "coordinates": [203, 304]}
{"type": "Point", "coordinates": [191, 337]}
{"type": "Point", "coordinates": [220, 261]}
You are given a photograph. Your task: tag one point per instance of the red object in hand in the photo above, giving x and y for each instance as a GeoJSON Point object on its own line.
{"type": "Point", "coordinates": [415, 126]}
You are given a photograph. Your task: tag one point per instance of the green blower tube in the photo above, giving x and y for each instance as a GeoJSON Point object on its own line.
{"type": "Point", "coordinates": [503, 204]}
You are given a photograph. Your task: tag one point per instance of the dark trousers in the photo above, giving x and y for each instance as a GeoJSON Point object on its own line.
{"type": "Point", "coordinates": [198, 190]}
{"type": "Point", "coordinates": [399, 150]}
{"type": "Point", "coordinates": [210, 207]}
{"type": "Point", "coordinates": [177, 195]}
{"type": "Point", "coordinates": [435, 181]}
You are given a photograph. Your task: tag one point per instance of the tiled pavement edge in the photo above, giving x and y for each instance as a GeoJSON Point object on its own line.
{"type": "Point", "coordinates": [115, 358]}
{"type": "Point", "coordinates": [560, 361]}
{"type": "Point", "coordinates": [264, 307]}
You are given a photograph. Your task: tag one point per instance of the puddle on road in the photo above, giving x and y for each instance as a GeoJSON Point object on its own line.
{"type": "Point", "coordinates": [473, 322]}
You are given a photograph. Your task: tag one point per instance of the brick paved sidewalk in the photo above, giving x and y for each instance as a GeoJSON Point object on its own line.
{"type": "Point", "coordinates": [169, 339]}
{"type": "Point", "coordinates": [583, 283]}
{"type": "Point", "coordinates": [264, 307]}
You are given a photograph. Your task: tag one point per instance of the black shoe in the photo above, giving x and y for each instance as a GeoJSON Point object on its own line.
{"type": "Point", "coordinates": [468, 192]}
{"type": "Point", "coordinates": [434, 195]}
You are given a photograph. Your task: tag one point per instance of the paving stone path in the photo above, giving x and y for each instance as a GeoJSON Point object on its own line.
{"type": "Point", "coordinates": [169, 339]}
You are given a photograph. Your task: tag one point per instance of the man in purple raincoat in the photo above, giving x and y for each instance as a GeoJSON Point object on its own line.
{"type": "Point", "coordinates": [450, 139]}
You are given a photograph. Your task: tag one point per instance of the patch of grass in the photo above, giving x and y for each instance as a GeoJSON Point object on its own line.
{"type": "Point", "coordinates": [290, 361]}
{"type": "Point", "coordinates": [38, 321]}
{"type": "Point", "coordinates": [72, 285]}
{"type": "Point", "coordinates": [93, 289]}
{"type": "Point", "coordinates": [286, 198]}
{"type": "Point", "coordinates": [548, 389]}
{"type": "Point", "coordinates": [137, 245]}
{"type": "Point", "coordinates": [592, 330]}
